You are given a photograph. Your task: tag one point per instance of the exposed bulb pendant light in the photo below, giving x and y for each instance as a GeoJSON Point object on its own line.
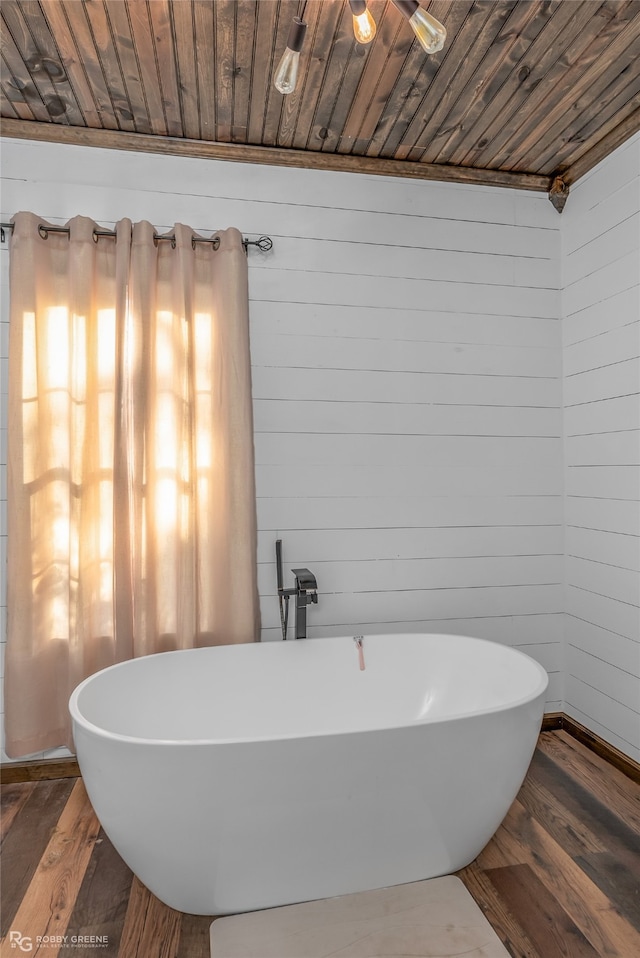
{"type": "Point", "coordinates": [430, 34]}
{"type": "Point", "coordinates": [429, 31]}
{"type": "Point", "coordinates": [364, 26]}
{"type": "Point", "coordinates": [287, 72]}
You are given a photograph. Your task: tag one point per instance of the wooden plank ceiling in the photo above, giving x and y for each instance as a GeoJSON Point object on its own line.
{"type": "Point", "coordinates": [524, 91]}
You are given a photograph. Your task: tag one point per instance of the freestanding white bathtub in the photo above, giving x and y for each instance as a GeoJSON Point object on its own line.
{"type": "Point", "coordinates": [243, 777]}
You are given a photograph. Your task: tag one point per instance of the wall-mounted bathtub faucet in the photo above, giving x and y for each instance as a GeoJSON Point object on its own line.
{"type": "Point", "coordinates": [305, 591]}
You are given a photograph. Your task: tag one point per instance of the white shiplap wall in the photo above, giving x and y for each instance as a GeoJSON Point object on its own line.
{"type": "Point", "coordinates": [406, 351]}
{"type": "Point", "coordinates": [601, 334]}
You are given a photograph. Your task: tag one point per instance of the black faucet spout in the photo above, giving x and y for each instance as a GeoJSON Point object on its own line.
{"type": "Point", "coordinates": [306, 581]}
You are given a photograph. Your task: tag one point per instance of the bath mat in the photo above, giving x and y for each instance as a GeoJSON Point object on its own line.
{"type": "Point", "coordinates": [437, 918]}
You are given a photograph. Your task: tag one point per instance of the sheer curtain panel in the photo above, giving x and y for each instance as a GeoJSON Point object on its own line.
{"type": "Point", "coordinates": [131, 493]}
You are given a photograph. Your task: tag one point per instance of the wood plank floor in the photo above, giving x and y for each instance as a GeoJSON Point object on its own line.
{"type": "Point", "coordinates": [560, 879]}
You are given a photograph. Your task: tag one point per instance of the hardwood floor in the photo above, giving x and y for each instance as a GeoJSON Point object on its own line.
{"type": "Point", "coordinates": [560, 879]}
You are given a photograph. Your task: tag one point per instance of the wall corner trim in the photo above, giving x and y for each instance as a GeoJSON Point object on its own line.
{"type": "Point", "coordinates": [558, 193]}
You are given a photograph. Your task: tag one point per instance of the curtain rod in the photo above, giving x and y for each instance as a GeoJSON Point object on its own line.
{"type": "Point", "coordinates": [263, 243]}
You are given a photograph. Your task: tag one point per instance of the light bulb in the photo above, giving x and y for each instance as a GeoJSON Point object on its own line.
{"type": "Point", "coordinates": [364, 26]}
{"type": "Point", "coordinates": [429, 31]}
{"type": "Point", "coordinates": [287, 73]}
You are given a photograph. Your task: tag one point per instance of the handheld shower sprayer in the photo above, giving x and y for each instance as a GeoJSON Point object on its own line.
{"type": "Point", "coordinates": [283, 594]}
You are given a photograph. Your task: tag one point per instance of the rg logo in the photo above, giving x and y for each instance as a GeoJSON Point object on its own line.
{"type": "Point", "coordinates": [18, 940]}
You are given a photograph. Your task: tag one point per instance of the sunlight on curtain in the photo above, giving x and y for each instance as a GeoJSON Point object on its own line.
{"type": "Point", "coordinates": [131, 480]}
